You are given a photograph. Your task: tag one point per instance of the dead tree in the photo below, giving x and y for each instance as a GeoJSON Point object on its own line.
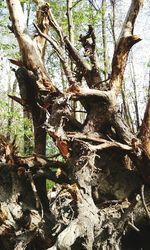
{"type": "Point", "coordinates": [102, 203]}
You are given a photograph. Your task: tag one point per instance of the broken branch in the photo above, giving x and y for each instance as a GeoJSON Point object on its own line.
{"type": "Point", "coordinates": [125, 42]}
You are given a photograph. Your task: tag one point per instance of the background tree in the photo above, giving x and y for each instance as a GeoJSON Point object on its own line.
{"type": "Point", "coordinates": [101, 202]}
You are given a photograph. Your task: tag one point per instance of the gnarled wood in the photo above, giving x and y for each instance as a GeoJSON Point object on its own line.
{"type": "Point", "coordinates": [101, 170]}
{"type": "Point", "coordinates": [43, 23]}
{"type": "Point", "coordinates": [31, 55]}
{"type": "Point", "coordinates": [125, 42]}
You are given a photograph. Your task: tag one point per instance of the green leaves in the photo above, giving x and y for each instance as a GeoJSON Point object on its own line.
{"type": "Point", "coordinates": [13, 123]}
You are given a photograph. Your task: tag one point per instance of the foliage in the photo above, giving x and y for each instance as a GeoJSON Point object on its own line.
{"type": "Point", "coordinates": [100, 163]}
{"type": "Point", "coordinates": [83, 14]}
{"type": "Point", "coordinates": [16, 127]}
{"type": "Point", "coordinates": [49, 184]}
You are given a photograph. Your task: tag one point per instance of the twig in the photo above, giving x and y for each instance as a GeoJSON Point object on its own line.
{"type": "Point", "coordinates": [76, 4]}
{"type": "Point", "coordinates": [134, 227]}
{"type": "Point", "coordinates": [144, 203]}
{"type": "Point", "coordinates": [97, 9]}
{"type": "Point", "coordinates": [104, 81]}
{"type": "Point", "coordinates": [60, 50]}
{"type": "Point", "coordinates": [38, 202]}
{"type": "Point", "coordinates": [131, 223]}
{"type": "Point", "coordinates": [52, 41]}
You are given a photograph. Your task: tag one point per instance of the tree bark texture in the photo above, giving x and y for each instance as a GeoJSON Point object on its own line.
{"type": "Point", "coordinates": [102, 201]}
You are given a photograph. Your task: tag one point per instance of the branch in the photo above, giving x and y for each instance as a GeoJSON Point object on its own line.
{"type": "Point", "coordinates": [94, 6]}
{"type": "Point", "coordinates": [31, 57]}
{"type": "Point", "coordinates": [65, 42]}
{"type": "Point", "coordinates": [125, 42]}
{"type": "Point", "coordinates": [37, 199]}
{"type": "Point", "coordinates": [61, 54]}
{"type": "Point", "coordinates": [70, 21]}
{"type": "Point", "coordinates": [15, 10]}
{"type": "Point", "coordinates": [41, 167]}
{"type": "Point", "coordinates": [40, 161]}
{"type": "Point", "coordinates": [78, 92]}
{"type": "Point", "coordinates": [76, 57]}
{"type": "Point", "coordinates": [16, 62]}
{"type": "Point", "coordinates": [51, 40]}
{"type": "Point", "coordinates": [104, 143]}
{"type": "Point", "coordinates": [89, 43]}
{"type": "Point", "coordinates": [145, 130]}
{"type": "Point", "coordinates": [84, 68]}
{"type": "Point", "coordinates": [62, 178]}
{"type": "Point", "coordinates": [18, 100]}
{"type": "Point", "coordinates": [74, 5]}
{"type": "Point", "coordinates": [55, 25]}
{"type": "Point", "coordinates": [43, 22]}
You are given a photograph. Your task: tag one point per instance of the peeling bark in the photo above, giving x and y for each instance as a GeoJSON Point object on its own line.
{"type": "Point", "coordinates": [100, 201]}
{"type": "Point", "coordinates": [31, 55]}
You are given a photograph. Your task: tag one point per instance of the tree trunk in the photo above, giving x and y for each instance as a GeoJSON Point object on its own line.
{"type": "Point", "coordinates": [105, 59]}
{"type": "Point", "coordinates": [11, 109]}
{"type": "Point", "coordinates": [101, 202]}
{"type": "Point", "coordinates": [28, 141]}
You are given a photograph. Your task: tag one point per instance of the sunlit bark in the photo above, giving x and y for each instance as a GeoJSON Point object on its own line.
{"type": "Point", "coordinates": [97, 184]}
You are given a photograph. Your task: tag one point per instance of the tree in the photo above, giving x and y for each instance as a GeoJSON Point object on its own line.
{"type": "Point", "coordinates": [105, 167]}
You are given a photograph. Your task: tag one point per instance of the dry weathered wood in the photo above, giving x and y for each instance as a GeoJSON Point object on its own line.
{"type": "Point", "coordinates": [125, 42]}
{"type": "Point", "coordinates": [60, 49]}
{"type": "Point", "coordinates": [43, 23]}
{"type": "Point", "coordinates": [104, 143]}
{"type": "Point", "coordinates": [145, 130]}
{"type": "Point", "coordinates": [90, 51]}
{"type": "Point", "coordinates": [33, 78]}
{"type": "Point", "coordinates": [31, 55]}
{"type": "Point", "coordinates": [81, 215]}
